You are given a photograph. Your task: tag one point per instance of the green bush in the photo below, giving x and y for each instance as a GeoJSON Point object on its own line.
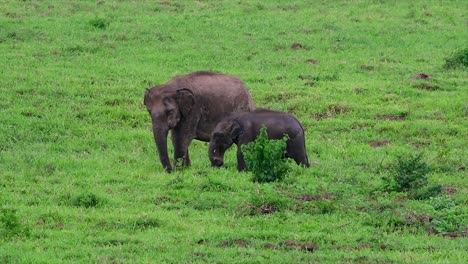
{"type": "Point", "coordinates": [409, 175]}
{"type": "Point", "coordinates": [86, 200]}
{"type": "Point", "coordinates": [10, 224]}
{"type": "Point", "coordinates": [265, 158]}
{"type": "Point", "coordinates": [458, 59]}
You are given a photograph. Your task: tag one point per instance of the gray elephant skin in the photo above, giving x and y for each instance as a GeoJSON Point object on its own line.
{"type": "Point", "coordinates": [242, 128]}
{"type": "Point", "coordinates": [190, 106]}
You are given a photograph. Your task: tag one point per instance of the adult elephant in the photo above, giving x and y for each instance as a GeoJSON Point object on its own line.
{"type": "Point", "coordinates": [190, 106]}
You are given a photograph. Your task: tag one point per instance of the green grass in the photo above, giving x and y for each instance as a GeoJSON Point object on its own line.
{"type": "Point", "coordinates": [79, 176]}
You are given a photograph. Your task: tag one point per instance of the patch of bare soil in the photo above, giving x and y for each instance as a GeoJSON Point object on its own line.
{"type": "Point", "coordinates": [392, 117]}
{"type": "Point", "coordinates": [312, 61]}
{"type": "Point", "coordinates": [358, 90]}
{"type": "Point", "coordinates": [303, 246]}
{"type": "Point", "coordinates": [455, 234]}
{"type": "Point", "coordinates": [449, 190]}
{"type": "Point", "coordinates": [332, 111]}
{"type": "Point", "coordinates": [296, 46]}
{"type": "Point", "coordinates": [315, 197]}
{"type": "Point", "coordinates": [367, 67]}
{"type": "Point", "coordinates": [321, 116]}
{"type": "Point", "coordinates": [362, 247]}
{"type": "Point", "coordinates": [267, 209]}
{"type": "Point", "coordinates": [422, 76]}
{"type": "Point", "coordinates": [232, 243]}
{"type": "Point", "coordinates": [461, 167]}
{"type": "Point", "coordinates": [40, 222]}
{"type": "Point", "coordinates": [379, 143]}
{"type": "Point", "coordinates": [270, 246]}
{"type": "Point", "coordinates": [414, 219]}
{"type": "Point", "coordinates": [427, 86]}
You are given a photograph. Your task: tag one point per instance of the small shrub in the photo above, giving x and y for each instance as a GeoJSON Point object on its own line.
{"type": "Point", "coordinates": [458, 59]}
{"type": "Point", "coordinates": [99, 23]}
{"type": "Point", "coordinates": [409, 175]}
{"type": "Point", "coordinates": [265, 158]}
{"type": "Point", "coordinates": [10, 224]}
{"type": "Point", "coordinates": [145, 222]}
{"type": "Point", "coordinates": [449, 216]}
{"type": "Point", "coordinates": [86, 200]}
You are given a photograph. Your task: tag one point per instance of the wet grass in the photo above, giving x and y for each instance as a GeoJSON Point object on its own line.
{"type": "Point", "coordinates": [79, 176]}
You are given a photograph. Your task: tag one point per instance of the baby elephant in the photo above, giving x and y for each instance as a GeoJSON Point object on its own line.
{"type": "Point", "coordinates": [242, 128]}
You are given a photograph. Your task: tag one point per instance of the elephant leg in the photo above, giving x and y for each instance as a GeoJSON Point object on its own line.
{"type": "Point", "coordinates": [295, 149]}
{"type": "Point", "coordinates": [240, 160]}
{"type": "Point", "coordinates": [181, 142]}
{"type": "Point", "coordinates": [160, 137]}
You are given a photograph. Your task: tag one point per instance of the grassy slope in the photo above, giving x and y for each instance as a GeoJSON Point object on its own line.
{"type": "Point", "coordinates": [74, 132]}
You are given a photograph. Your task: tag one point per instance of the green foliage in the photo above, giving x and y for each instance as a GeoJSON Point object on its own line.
{"type": "Point", "coordinates": [457, 59]}
{"type": "Point", "coordinates": [409, 175]}
{"type": "Point", "coordinates": [86, 199]}
{"type": "Point", "coordinates": [79, 165]}
{"type": "Point", "coordinates": [265, 158]}
{"type": "Point", "coordinates": [99, 23]}
{"type": "Point", "coordinates": [10, 224]}
{"type": "Point", "coordinates": [449, 216]}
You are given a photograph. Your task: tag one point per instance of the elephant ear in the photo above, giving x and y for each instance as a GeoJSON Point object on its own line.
{"type": "Point", "coordinates": [236, 130]}
{"type": "Point", "coordinates": [147, 99]}
{"type": "Point", "coordinates": [185, 100]}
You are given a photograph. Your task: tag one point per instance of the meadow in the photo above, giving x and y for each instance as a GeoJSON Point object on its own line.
{"type": "Point", "coordinates": [371, 81]}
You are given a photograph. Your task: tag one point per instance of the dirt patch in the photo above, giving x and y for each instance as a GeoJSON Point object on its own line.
{"type": "Point", "coordinates": [422, 76]}
{"type": "Point", "coordinates": [40, 222]}
{"type": "Point", "coordinates": [315, 197]}
{"type": "Point", "coordinates": [417, 219]}
{"type": "Point", "coordinates": [455, 234]}
{"type": "Point", "coordinates": [338, 108]}
{"type": "Point", "coordinates": [427, 86]}
{"type": "Point", "coordinates": [362, 247]}
{"type": "Point", "coordinates": [233, 243]}
{"type": "Point", "coordinates": [321, 116]}
{"type": "Point", "coordinates": [449, 190]}
{"type": "Point", "coordinates": [305, 77]}
{"type": "Point", "coordinates": [358, 90]}
{"type": "Point", "coordinates": [312, 61]}
{"type": "Point", "coordinates": [400, 117]}
{"type": "Point", "coordinates": [367, 67]}
{"type": "Point", "coordinates": [296, 46]}
{"type": "Point", "coordinates": [267, 209]}
{"type": "Point", "coordinates": [292, 109]}
{"type": "Point", "coordinates": [461, 167]}
{"type": "Point", "coordinates": [302, 246]}
{"type": "Point", "coordinates": [332, 111]}
{"type": "Point", "coordinates": [379, 143]}
{"type": "Point", "coordinates": [270, 246]}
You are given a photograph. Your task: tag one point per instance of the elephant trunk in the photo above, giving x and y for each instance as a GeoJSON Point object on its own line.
{"type": "Point", "coordinates": [160, 137]}
{"type": "Point", "coordinates": [215, 158]}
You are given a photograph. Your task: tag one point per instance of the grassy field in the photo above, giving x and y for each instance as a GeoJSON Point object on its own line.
{"type": "Point", "coordinates": [80, 180]}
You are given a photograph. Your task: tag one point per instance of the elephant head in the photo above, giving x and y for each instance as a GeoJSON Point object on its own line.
{"type": "Point", "coordinates": [224, 135]}
{"type": "Point", "coordinates": [166, 108]}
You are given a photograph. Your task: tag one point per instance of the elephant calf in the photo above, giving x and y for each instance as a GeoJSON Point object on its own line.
{"type": "Point", "coordinates": [242, 128]}
{"type": "Point", "coordinates": [190, 106]}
